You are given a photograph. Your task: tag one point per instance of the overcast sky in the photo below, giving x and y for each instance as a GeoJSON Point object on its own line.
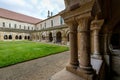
{"type": "Point", "coordinates": [35, 8]}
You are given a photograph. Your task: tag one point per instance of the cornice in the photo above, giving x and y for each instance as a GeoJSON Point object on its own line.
{"type": "Point", "coordinates": [86, 8]}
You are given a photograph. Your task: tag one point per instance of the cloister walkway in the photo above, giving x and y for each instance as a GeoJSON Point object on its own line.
{"type": "Point", "coordinates": [38, 69]}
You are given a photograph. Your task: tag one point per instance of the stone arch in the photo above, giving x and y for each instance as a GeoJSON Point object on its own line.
{"type": "Point", "coordinates": [5, 37]}
{"type": "Point", "coordinates": [16, 37]}
{"type": "Point", "coordinates": [67, 35]}
{"type": "Point", "coordinates": [50, 37]}
{"type": "Point", "coordinates": [115, 38]}
{"type": "Point", "coordinates": [110, 46]}
{"type": "Point", "coordinates": [114, 47]}
{"type": "Point", "coordinates": [25, 37]}
{"type": "Point", "coordinates": [58, 37]}
{"type": "Point", "coordinates": [10, 36]}
{"type": "Point", "coordinates": [20, 37]}
{"type": "Point", "coordinates": [28, 37]}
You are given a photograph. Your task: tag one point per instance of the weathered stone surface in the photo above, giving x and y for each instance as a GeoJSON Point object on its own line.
{"type": "Point", "coordinates": [38, 69]}
{"type": "Point", "coordinates": [65, 75]}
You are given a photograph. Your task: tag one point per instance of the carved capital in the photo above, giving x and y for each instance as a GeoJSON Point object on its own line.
{"type": "Point", "coordinates": [71, 22]}
{"type": "Point", "coordinates": [83, 23]}
{"type": "Point", "coordinates": [96, 24]}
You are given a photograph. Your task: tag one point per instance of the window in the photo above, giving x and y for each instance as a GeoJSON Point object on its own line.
{"type": "Point", "coordinates": [3, 24]}
{"type": "Point", "coordinates": [9, 25]}
{"type": "Point", "coordinates": [45, 25]}
{"type": "Point", "coordinates": [61, 20]}
{"type": "Point", "coordinates": [51, 23]}
{"type": "Point", "coordinates": [24, 27]}
{"type": "Point", "coordinates": [41, 26]}
{"type": "Point", "coordinates": [20, 26]}
{"type": "Point", "coordinates": [15, 26]}
{"type": "Point", "coordinates": [28, 28]}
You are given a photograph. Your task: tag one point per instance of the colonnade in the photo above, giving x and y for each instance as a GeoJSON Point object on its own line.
{"type": "Point", "coordinates": [60, 37]}
{"type": "Point", "coordinates": [80, 45]}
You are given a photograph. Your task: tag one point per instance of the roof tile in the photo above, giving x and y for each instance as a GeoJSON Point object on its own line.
{"type": "Point", "coordinates": [17, 16]}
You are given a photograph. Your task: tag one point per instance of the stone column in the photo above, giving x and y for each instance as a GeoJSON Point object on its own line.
{"type": "Point", "coordinates": [64, 41]}
{"type": "Point", "coordinates": [13, 36]}
{"type": "Point", "coordinates": [95, 27]}
{"type": "Point", "coordinates": [47, 38]}
{"type": "Point", "coordinates": [54, 38]}
{"type": "Point", "coordinates": [84, 44]}
{"type": "Point", "coordinates": [73, 45]}
{"type": "Point", "coordinates": [40, 37]}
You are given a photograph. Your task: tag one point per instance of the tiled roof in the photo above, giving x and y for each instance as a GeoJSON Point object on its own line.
{"type": "Point", "coordinates": [17, 16]}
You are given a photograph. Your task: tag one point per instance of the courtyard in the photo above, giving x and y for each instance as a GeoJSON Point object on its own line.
{"type": "Point", "coordinates": [12, 52]}
{"type": "Point", "coordinates": [37, 69]}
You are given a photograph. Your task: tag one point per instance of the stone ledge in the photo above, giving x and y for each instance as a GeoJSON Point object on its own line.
{"type": "Point", "coordinates": [65, 75]}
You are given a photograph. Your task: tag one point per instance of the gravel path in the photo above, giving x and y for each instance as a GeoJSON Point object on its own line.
{"type": "Point", "coordinates": [38, 69]}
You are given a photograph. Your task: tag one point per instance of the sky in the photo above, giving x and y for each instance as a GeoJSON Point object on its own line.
{"type": "Point", "coordinates": [34, 8]}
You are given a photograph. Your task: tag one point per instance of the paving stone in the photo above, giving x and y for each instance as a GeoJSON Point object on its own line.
{"type": "Point", "coordinates": [38, 69]}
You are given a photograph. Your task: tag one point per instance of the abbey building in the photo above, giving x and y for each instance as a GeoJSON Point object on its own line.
{"type": "Point", "coordinates": [15, 26]}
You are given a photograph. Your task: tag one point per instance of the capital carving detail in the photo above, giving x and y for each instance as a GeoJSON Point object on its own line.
{"type": "Point", "coordinates": [96, 24]}
{"type": "Point", "coordinates": [83, 24]}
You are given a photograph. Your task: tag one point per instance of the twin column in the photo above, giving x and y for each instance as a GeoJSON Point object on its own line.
{"type": "Point", "coordinates": [80, 29]}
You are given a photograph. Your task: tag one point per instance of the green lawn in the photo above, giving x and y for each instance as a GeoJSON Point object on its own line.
{"type": "Point", "coordinates": [12, 52]}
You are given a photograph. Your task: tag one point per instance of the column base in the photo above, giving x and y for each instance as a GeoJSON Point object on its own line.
{"type": "Point", "coordinates": [65, 75]}
{"type": "Point", "coordinates": [85, 74]}
{"type": "Point", "coordinates": [96, 56]}
{"type": "Point", "coordinates": [75, 66]}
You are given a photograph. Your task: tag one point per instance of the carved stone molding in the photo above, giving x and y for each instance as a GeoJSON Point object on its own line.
{"type": "Point", "coordinates": [86, 8]}
{"type": "Point", "coordinates": [96, 24]}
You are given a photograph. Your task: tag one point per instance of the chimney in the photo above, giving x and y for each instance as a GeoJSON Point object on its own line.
{"type": "Point", "coordinates": [48, 14]}
{"type": "Point", "coordinates": [51, 14]}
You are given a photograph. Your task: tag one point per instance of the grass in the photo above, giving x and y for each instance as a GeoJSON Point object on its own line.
{"type": "Point", "coordinates": [12, 52]}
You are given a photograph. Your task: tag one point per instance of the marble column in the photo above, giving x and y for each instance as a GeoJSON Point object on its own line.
{"type": "Point", "coordinates": [84, 44]}
{"type": "Point", "coordinates": [95, 27]}
{"type": "Point", "coordinates": [73, 45]}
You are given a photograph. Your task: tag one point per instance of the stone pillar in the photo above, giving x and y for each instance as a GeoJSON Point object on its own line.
{"type": "Point", "coordinates": [2, 36]}
{"type": "Point", "coordinates": [84, 44]}
{"type": "Point", "coordinates": [73, 45]}
{"type": "Point", "coordinates": [13, 36]}
{"type": "Point", "coordinates": [95, 27]}
{"type": "Point", "coordinates": [54, 39]}
{"type": "Point", "coordinates": [64, 39]}
{"type": "Point", "coordinates": [40, 37]}
{"type": "Point", "coordinates": [47, 38]}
